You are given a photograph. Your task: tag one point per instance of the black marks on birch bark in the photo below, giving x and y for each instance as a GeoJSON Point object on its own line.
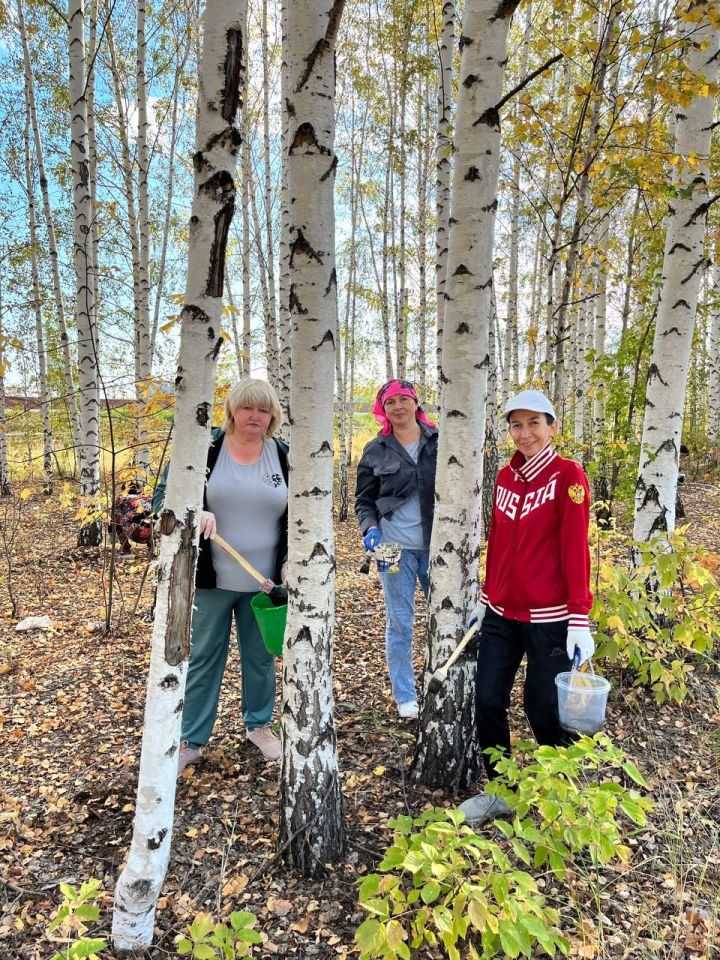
{"type": "Point", "coordinates": [489, 118]}
{"type": "Point", "coordinates": [472, 174]}
{"type": "Point", "coordinates": [469, 80]}
{"type": "Point", "coordinates": [294, 304]}
{"type": "Point", "coordinates": [325, 450]}
{"type": "Point", "coordinates": [180, 593]}
{"type": "Point", "coordinates": [154, 843]}
{"type": "Point", "coordinates": [462, 328]}
{"type": "Point", "coordinates": [220, 188]}
{"type": "Point", "coordinates": [653, 371]}
{"type": "Point", "coordinates": [305, 138]}
{"type": "Point", "coordinates": [192, 312]}
{"type": "Point", "coordinates": [233, 74]}
{"type": "Point", "coordinates": [168, 522]}
{"type": "Point", "coordinates": [464, 42]}
{"type": "Point", "coordinates": [328, 338]}
{"type": "Point", "coordinates": [325, 44]}
{"type": "Point", "coordinates": [170, 682]}
{"type": "Point", "coordinates": [457, 413]}
{"type": "Point", "coordinates": [140, 889]}
{"type": "Point", "coordinates": [203, 412]}
{"type": "Point", "coordinates": [332, 282]}
{"type": "Point", "coordinates": [330, 170]}
{"type": "Point", "coordinates": [461, 270]}
{"type": "Point", "coordinates": [301, 246]}
{"type": "Point", "coordinates": [506, 8]}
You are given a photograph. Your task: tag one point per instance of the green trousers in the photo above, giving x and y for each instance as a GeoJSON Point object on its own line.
{"type": "Point", "coordinates": [209, 646]}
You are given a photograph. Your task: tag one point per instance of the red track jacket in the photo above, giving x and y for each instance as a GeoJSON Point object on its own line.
{"type": "Point", "coordinates": [538, 559]}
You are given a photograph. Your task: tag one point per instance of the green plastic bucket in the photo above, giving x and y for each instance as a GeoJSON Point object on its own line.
{"type": "Point", "coordinates": [271, 622]}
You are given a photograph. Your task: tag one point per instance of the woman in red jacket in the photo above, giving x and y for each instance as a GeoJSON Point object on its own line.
{"type": "Point", "coordinates": [536, 597]}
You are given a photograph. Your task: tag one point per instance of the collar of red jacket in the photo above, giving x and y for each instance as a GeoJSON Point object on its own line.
{"type": "Point", "coordinates": [529, 469]}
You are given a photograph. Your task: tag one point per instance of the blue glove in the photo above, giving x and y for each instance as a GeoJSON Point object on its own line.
{"type": "Point", "coordinates": [371, 538]}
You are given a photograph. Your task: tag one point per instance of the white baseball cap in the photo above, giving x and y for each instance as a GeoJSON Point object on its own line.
{"type": "Point", "coordinates": [530, 400]}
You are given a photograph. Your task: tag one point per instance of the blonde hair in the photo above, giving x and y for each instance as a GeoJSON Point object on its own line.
{"type": "Point", "coordinates": [259, 393]}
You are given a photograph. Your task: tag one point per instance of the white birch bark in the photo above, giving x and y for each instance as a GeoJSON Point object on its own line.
{"type": "Point", "coordinates": [443, 167]}
{"type": "Point", "coordinates": [142, 330]}
{"type": "Point", "coordinates": [43, 392]}
{"type": "Point", "coordinates": [423, 155]}
{"type": "Point", "coordinates": [683, 265]}
{"type": "Point", "coordinates": [714, 358]}
{"type": "Point", "coordinates": [445, 752]}
{"type": "Point", "coordinates": [246, 185]}
{"type": "Point", "coordinates": [217, 141]}
{"type": "Point", "coordinates": [510, 380]}
{"type": "Point", "coordinates": [70, 388]}
{"type": "Point", "coordinates": [269, 325]}
{"type": "Point", "coordinates": [267, 195]}
{"type": "Point", "coordinates": [5, 488]}
{"type": "Point", "coordinates": [91, 532]}
{"type": "Point", "coordinates": [311, 823]}
{"type": "Point", "coordinates": [284, 325]}
{"type": "Point", "coordinates": [160, 286]}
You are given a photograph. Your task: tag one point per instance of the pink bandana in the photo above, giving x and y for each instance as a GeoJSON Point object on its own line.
{"type": "Point", "coordinates": [396, 388]}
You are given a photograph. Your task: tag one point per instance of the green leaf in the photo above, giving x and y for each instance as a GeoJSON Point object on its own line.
{"type": "Point", "coordinates": [241, 919]}
{"type": "Point", "coordinates": [508, 940]}
{"type": "Point", "coordinates": [370, 937]}
{"type": "Point", "coordinates": [203, 951]}
{"type": "Point", "coordinates": [395, 934]}
{"type": "Point", "coordinates": [183, 946]}
{"type": "Point", "coordinates": [632, 771]}
{"type": "Point", "coordinates": [430, 892]}
{"type": "Point", "coordinates": [87, 947]}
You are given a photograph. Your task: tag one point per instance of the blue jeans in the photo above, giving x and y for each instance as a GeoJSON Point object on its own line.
{"type": "Point", "coordinates": [399, 590]}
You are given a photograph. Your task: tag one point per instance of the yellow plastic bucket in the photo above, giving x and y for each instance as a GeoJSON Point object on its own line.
{"type": "Point", "coordinates": [271, 622]}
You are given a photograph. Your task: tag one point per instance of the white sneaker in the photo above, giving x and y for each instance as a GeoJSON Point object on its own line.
{"type": "Point", "coordinates": [187, 755]}
{"type": "Point", "coordinates": [484, 807]}
{"type": "Point", "coordinates": [265, 740]}
{"type": "Point", "coordinates": [409, 710]}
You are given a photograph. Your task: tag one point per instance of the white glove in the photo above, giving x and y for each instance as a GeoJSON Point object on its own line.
{"type": "Point", "coordinates": [477, 613]}
{"type": "Point", "coordinates": [208, 526]}
{"type": "Point", "coordinates": [581, 638]}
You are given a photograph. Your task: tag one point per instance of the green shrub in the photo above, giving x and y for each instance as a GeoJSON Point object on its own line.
{"type": "Point", "coordinates": [70, 924]}
{"type": "Point", "coordinates": [442, 885]}
{"type": "Point", "coordinates": [210, 940]}
{"type": "Point", "coordinates": [659, 616]}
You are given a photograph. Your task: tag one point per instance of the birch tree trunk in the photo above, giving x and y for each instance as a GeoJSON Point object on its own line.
{"type": "Point", "coordinates": [37, 307]}
{"type": "Point", "coordinates": [714, 365]}
{"type": "Point", "coordinates": [284, 325]}
{"type": "Point", "coordinates": [311, 822]}
{"type": "Point", "coordinates": [217, 141]}
{"type": "Point", "coordinates": [70, 394]}
{"type": "Point", "coordinates": [443, 168]}
{"type": "Point", "coordinates": [91, 532]}
{"type": "Point", "coordinates": [142, 330]}
{"type": "Point", "coordinates": [159, 289]}
{"type": "Point", "coordinates": [5, 489]}
{"type": "Point", "coordinates": [445, 752]}
{"type": "Point", "coordinates": [683, 265]}
{"type": "Point", "coordinates": [423, 153]}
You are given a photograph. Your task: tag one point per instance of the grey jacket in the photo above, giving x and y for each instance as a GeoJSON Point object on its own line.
{"type": "Point", "coordinates": [387, 476]}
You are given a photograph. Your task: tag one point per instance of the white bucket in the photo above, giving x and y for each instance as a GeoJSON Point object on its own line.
{"type": "Point", "coordinates": [582, 698]}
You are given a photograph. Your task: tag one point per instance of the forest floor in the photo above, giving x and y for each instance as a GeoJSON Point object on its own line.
{"type": "Point", "coordinates": [71, 702]}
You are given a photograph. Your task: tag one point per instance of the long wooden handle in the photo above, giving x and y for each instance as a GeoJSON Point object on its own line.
{"type": "Point", "coordinates": [461, 646]}
{"type": "Point", "coordinates": [248, 567]}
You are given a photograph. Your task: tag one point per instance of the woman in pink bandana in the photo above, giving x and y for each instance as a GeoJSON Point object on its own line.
{"type": "Point", "coordinates": [394, 503]}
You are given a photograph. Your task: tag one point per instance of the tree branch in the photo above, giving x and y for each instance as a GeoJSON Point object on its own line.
{"type": "Point", "coordinates": [528, 79]}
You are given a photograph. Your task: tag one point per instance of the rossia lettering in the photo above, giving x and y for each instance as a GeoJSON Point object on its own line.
{"type": "Point", "coordinates": [507, 501]}
{"type": "Point", "coordinates": [536, 498]}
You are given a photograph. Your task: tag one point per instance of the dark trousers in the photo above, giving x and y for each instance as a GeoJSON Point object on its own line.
{"type": "Point", "coordinates": [503, 643]}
